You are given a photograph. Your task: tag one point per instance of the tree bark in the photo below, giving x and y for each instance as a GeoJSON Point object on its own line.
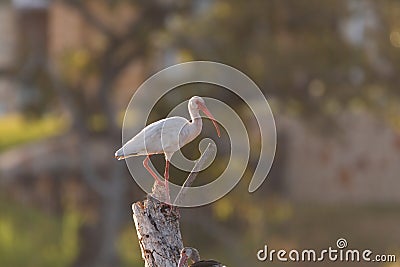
{"type": "Point", "coordinates": [158, 231]}
{"type": "Point", "coordinates": [157, 223]}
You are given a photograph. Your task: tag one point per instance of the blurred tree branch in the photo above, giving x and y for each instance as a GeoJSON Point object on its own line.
{"type": "Point", "coordinates": [123, 49]}
{"type": "Point", "coordinates": [90, 17]}
{"type": "Point", "coordinates": [87, 168]}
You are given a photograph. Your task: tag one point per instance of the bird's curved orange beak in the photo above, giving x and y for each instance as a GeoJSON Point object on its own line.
{"type": "Point", "coordinates": [210, 116]}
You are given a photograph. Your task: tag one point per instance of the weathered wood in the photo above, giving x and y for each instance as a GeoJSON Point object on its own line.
{"type": "Point", "coordinates": [157, 223]}
{"type": "Point", "coordinates": [158, 231]}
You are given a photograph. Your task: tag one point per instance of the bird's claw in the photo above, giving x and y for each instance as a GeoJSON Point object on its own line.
{"type": "Point", "coordinates": [171, 210]}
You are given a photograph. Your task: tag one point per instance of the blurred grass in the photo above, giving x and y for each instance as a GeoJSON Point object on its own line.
{"type": "Point", "coordinates": [16, 130]}
{"type": "Point", "coordinates": [128, 247]}
{"type": "Point", "coordinates": [29, 237]}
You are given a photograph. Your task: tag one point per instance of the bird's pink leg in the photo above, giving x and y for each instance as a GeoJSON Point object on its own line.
{"type": "Point", "coordinates": [146, 165]}
{"type": "Point", "coordinates": [166, 176]}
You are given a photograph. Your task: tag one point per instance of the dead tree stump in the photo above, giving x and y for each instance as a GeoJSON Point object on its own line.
{"type": "Point", "coordinates": [158, 231]}
{"type": "Point", "coordinates": [157, 224]}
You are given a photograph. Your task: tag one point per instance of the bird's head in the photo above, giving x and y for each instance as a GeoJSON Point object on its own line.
{"type": "Point", "coordinates": [198, 103]}
{"type": "Point", "coordinates": [186, 254]}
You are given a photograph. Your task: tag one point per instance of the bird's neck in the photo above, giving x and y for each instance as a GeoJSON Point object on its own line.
{"type": "Point", "coordinates": [194, 114]}
{"type": "Point", "coordinates": [197, 123]}
{"type": "Point", "coordinates": [196, 120]}
{"type": "Point", "coordinates": [195, 255]}
{"type": "Point", "coordinates": [193, 128]}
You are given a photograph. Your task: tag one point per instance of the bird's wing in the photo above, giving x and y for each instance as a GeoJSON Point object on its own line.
{"type": "Point", "coordinates": [149, 141]}
{"type": "Point", "coordinates": [207, 263]}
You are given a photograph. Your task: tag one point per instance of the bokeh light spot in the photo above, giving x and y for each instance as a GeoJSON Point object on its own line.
{"type": "Point", "coordinates": [395, 38]}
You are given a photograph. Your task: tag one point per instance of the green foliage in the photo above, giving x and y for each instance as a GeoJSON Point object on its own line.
{"type": "Point", "coordinates": [29, 237]}
{"type": "Point", "coordinates": [15, 129]}
{"type": "Point", "coordinates": [128, 248]}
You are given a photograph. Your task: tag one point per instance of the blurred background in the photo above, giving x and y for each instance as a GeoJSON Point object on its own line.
{"type": "Point", "coordinates": [330, 70]}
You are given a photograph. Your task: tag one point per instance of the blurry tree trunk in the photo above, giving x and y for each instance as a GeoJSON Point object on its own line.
{"type": "Point", "coordinates": [32, 58]}
{"type": "Point", "coordinates": [111, 219]}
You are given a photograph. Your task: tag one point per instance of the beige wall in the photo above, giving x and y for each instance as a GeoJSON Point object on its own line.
{"type": "Point", "coordinates": [360, 163]}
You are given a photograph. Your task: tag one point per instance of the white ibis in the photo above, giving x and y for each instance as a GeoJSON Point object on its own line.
{"type": "Point", "coordinates": [166, 137]}
{"type": "Point", "coordinates": [193, 254]}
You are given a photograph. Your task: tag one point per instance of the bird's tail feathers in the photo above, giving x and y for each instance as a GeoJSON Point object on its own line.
{"type": "Point", "coordinates": [120, 155]}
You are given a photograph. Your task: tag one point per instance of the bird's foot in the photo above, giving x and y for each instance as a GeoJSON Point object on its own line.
{"type": "Point", "coordinates": [171, 211]}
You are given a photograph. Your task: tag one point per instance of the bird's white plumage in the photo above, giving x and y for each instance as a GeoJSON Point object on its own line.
{"type": "Point", "coordinates": [168, 135]}
{"type": "Point", "coordinates": [163, 136]}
